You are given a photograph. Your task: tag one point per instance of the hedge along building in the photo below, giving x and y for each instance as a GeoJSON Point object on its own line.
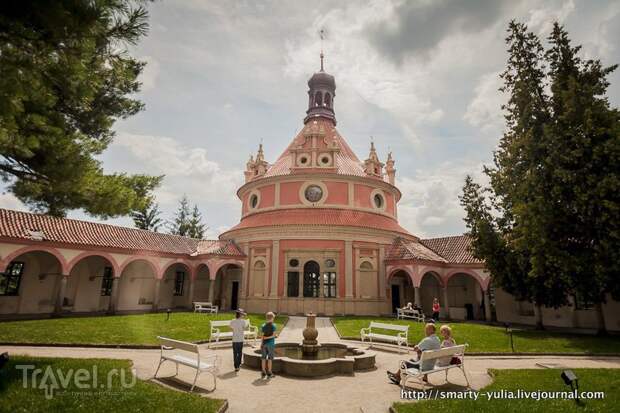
{"type": "Point", "coordinates": [318, 232]}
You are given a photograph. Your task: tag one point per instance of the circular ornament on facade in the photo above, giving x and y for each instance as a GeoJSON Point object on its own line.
{"type": "Point", "coordinates": [325, 159]}
{"type": "Point", "coordinates": [294, 262]}
{"type": "Point", "coordinates": [329, 263]}
{"type": "Point", "coordinates": [377, 200]}
{"type": "Point", "coordinates": [254, 199]}
{"type": "Point", "coordinates": [304, 159]}
{"type": "Point", "coordinates": [313, 193]}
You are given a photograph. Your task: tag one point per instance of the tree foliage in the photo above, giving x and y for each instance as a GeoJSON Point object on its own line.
{"type": "Point", "coordinates": [148, 217]}
{"type": "Point", "coordinates": [549, 224]}
{"type": "Point", "coordinates": [188, 222]}
{"type": "Point", "coordinates": [65, 78]}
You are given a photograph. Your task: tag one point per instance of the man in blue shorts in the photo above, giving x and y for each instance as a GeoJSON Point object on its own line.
{"type": "Point", "coordinates": [268, 345]}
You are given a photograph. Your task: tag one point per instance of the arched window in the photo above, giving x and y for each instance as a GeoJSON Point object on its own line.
{"type": "Point", "coordinates": [328, 100]}
{"type": "Point", "coordinates": [318, 99]}
{"type": "Point", "coordinates": [312, 279]}
{"type": "Point", "coordinates": [366, 266]}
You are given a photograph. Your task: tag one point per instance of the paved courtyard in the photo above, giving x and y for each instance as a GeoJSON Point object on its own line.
{"type": "Point", "coordinates": [364, 392]}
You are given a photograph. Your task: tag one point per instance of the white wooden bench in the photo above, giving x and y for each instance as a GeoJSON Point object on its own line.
{"type": "Point", "coordinates": [407, 373]}
{"type": "Point", "coordinates": [402, 313]}
{"type": "Point", "coordinates": [250, 331]}
{"type": "Point", "coordinates": [400, 338]}
{"type": "Point", "coordinates": [205, 307]}
{"type": "Point", "coordinates": [190, 358]}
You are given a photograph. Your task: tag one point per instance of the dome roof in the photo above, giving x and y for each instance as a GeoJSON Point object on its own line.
{"type": "Point", "coordinates": [322, 79]}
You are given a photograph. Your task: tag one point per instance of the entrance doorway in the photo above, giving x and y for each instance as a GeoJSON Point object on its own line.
{"type": "Point", "coordinates": [395, 297]}
{"type": "Point", "coordinates": [234, 299]}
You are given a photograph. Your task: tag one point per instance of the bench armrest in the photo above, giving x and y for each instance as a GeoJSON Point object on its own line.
{"type": "Point", "coordinates": [215, 330]}
{"type": "Point", "coordinates": [365, 330]}
{"type": "Point", "coordinates": [253, 329]}
{"type": "Point", "coordinates": [166, 347]}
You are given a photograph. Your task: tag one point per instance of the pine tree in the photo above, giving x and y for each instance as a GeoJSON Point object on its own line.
{"type": "Point", "coordinates": [196, 227]}
{"type": "Point", "coordinates": [181, 223]}
{"type": "Point", "coordinates": [549, 225]}
{"type": "Point", "coordinates": [65, 78]}
{"type": "Point", "coordinates": [147, 217]}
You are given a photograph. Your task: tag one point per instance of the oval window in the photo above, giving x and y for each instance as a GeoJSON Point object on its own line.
{"type": "Point", "coordinates": [378, 201]}
{"type": "Point", "coordinates": [294, 262]}
{"type": "Point", "coordinates": [329, 263]}
{"type": "Point", "coordinates": [253, 201]}
{"type": "Point", "coordinates": [313, 193]}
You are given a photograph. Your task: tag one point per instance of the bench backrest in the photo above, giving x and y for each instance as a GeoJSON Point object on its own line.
{"type": "Point", "coordinates": [226, 323]}
{"type": "Point", "coordinates": [443, 352]}
{"type": "Point", "coordinates": [181, 345]}
{"type": "Point", "coordinates": [384, 326]}
{"type": "Point", "coordinates": [203, 303]}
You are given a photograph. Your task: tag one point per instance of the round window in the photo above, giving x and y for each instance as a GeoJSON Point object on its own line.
{"type": "Point", "coordinates": [378, 201]}
{"type": "Point", "coordinates": [325, 160]}
{"type": "Point", "coordinates": [303, 160]}
{"type": "Point", "coordinates": [313, 193]}
{"type": "Point", "coordinates": [253, 201]}
{"type": "Point", "coordinates": [330, 263]}
{"type": "Point", "coordinates": [294, 262]}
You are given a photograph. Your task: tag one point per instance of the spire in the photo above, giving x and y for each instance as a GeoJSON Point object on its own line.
{"type": "Point", "coordinates": [389, 169]}
{"type": "Point", "coordinates": [322, 34]}
{"type": "Point", "coordinates": [372, 165]}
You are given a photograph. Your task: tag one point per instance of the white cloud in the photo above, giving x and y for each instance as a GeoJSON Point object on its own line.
{"type": "Point", "coordinates": [187, 170]}
{"type": "Point", "coordinates": [150, 73]}
{"type": "Point", "coordinates": [542, 18]}
{"type": "Point", "coordinates": [484, 110]}
{"type": "Point", "coordinates": [9, 201]}
{"type": "Point", "coordinates": [430, 204]}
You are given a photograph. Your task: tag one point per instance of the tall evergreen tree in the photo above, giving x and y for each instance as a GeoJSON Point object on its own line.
{"type": "Point", "coordinates": [549, 225]}
{"type": "Point", "coordinates": [65, 78]}
{"type": "Point", "coordinates": [196, 227]}
{"type": "Point", "coordinates": [147, 217]}
{"type": "Point", "coordinates": [181, 223]}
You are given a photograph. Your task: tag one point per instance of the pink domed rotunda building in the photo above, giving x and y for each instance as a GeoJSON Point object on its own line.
{"type": "Point", "coordinates": [319, 228]}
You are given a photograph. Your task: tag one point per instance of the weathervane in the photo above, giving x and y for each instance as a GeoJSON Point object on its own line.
{"type": "Point", "coordinates": [322, 35]}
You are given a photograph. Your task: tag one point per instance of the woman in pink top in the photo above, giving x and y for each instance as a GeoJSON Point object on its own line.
{"type": "Point", "coordinates": [436, 309]}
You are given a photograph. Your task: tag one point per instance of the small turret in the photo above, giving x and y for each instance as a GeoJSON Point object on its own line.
{"type": "Point", "coordinates": [372, 165]}
{"type": "Point", "coordinates": [256, 168]}
{"type": "Point", "coordinates": [389, 169]}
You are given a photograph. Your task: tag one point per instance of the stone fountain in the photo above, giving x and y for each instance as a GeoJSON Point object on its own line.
{"type": "Point", "coordinates": [311, 358]}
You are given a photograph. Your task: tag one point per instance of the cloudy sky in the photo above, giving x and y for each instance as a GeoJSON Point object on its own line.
{"type": "Point", "coordinates": [420, 77]}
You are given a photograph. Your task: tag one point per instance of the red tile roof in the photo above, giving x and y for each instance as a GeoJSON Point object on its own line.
{"type": "Point", "coordinates": [454, 249]}
{"type": "Point", "coordinates": [25, 225]}
{"type": "Point", "coordinates": [347, 163]}
{"type": "Point", "coordinates": [319, 217]}
{"type": "Point", "coordinates": [403, 249]}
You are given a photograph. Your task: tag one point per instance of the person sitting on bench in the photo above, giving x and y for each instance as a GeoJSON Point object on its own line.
{"type": "Point", "coordinates": [430, 342]}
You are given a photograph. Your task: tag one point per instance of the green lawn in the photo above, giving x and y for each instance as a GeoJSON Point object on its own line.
{"type": "Point", "coordinates": [139, 329]}
{"type": "Point", "coordinates": [592, 380]}
{"type": "Point", "coordinates": [113, 395]}
{"type": "Point", "coordinates": [484, 338]}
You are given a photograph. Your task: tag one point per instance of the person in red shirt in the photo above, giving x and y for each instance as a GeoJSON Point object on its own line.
{"type": "Point", "coordinates": [436, 309]}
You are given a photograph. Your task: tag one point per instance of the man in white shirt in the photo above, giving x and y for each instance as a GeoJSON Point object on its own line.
{"type": "Point", "coordinates": [237, 325]}
{"type": "Point", "coordinates": [430, 342]}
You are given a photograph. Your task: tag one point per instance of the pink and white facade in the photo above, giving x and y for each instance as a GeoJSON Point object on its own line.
{"type": "Point", "coordinates": [318, 232]}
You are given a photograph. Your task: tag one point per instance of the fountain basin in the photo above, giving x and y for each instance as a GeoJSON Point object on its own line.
{"type": "Point", "coordinates": [329, 359]}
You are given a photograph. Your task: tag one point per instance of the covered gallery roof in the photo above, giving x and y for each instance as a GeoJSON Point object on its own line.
{"type": "Point", "coordinates": [453, 250]}
{"type": "Point", "coordinates": [37, 227]}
